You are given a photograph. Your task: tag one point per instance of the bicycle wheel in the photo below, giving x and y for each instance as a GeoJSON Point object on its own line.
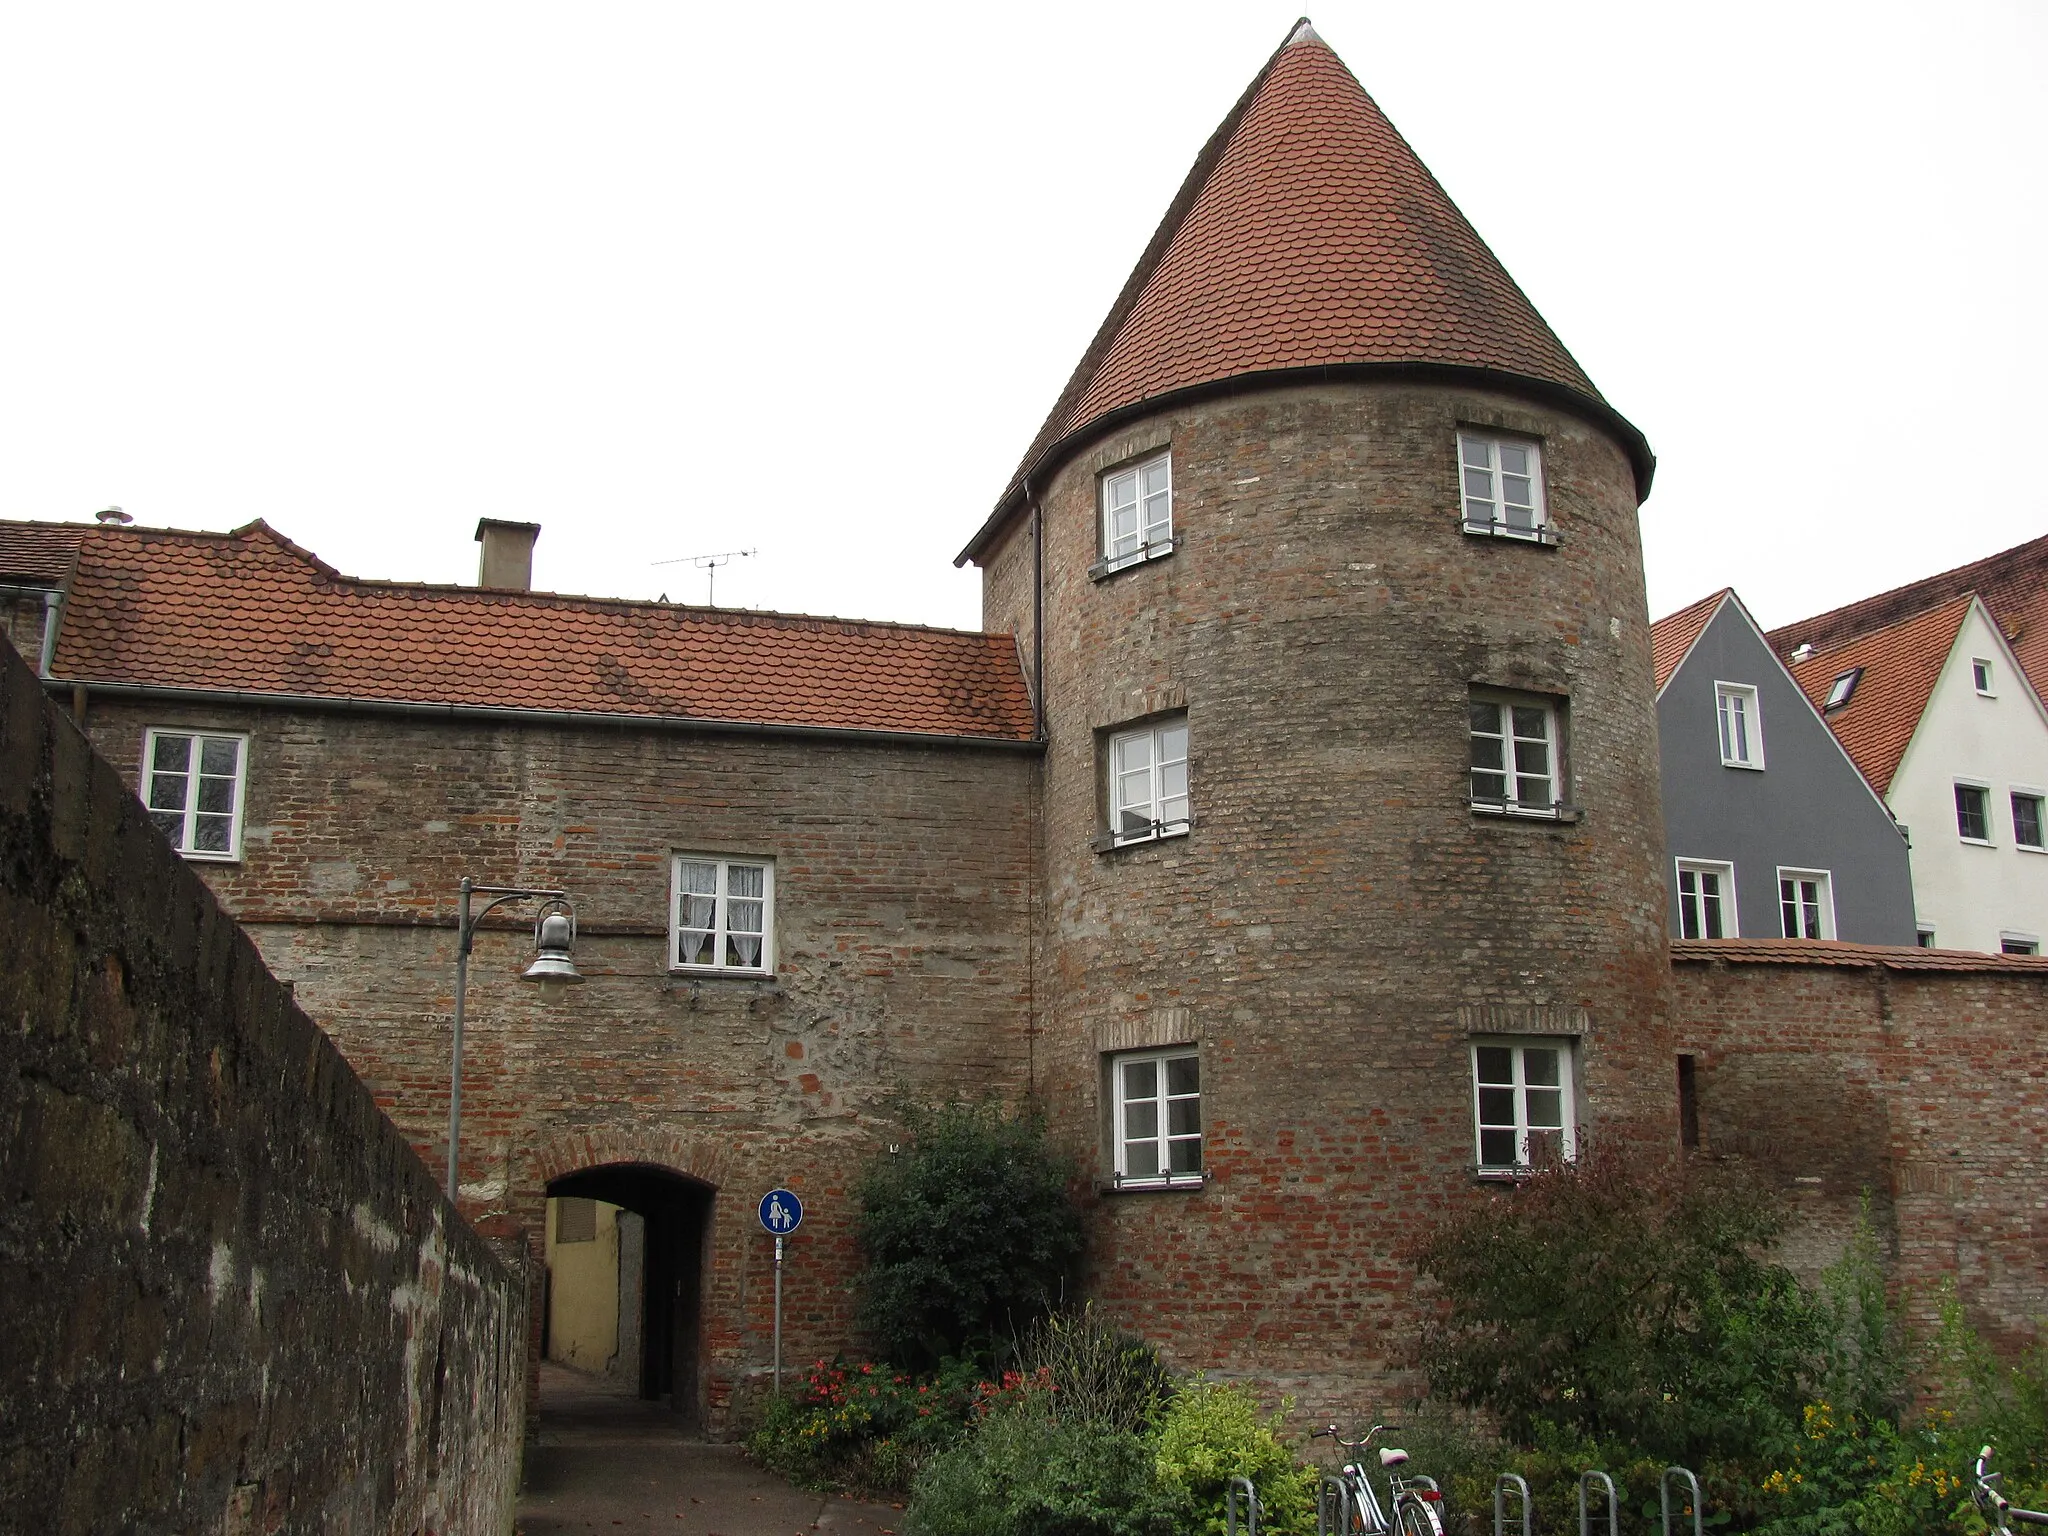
{"type": "Point", "coordinates": [1415, 1517]}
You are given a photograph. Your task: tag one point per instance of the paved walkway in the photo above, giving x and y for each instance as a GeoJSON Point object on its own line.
{"type": "Point", "coordinates": [607, 1459]}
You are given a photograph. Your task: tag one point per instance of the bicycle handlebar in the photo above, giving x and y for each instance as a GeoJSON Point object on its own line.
{"type": "Point", "coordinates": [1991, 1501]}
{"type": "Point", "coordinates": [1354, 1445]}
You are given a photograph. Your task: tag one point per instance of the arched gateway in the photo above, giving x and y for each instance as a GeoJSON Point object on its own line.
{"type": "Point", "coordinates": [658, 1248]}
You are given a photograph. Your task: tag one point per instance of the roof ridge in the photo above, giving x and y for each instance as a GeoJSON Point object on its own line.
{"type": "Point", "coordinates": [1960, 602]}
{"type": "Point", "coordinates": [781, 617]}
{"type": "Point", "coordinates": [2016, 554]}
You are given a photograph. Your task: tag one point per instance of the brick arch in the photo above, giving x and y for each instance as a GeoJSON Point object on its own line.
{"type": "Point", "coordinates": [566, 1152]}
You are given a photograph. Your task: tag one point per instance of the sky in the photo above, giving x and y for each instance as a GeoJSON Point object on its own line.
{"type": "Point", "coordinates": [680, 280]}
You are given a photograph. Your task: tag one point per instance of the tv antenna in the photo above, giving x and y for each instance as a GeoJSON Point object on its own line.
{"type": "Point", "coordinates": [709, 565]}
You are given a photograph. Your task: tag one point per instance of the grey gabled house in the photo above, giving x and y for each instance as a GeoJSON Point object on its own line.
{"type": "Point", "coordinates": [1771, 831]}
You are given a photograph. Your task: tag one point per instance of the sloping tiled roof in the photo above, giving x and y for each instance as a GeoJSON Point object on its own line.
{"type": "Point", "coordinates": [1892, 957]}
{"type": "Point", "coordinates": [2013, 584]}
{"type": "Point", "coordinates": [251, 612]}
{"type": "Point", "coordinates": [1672, 636]}
{"type": "Point", "coordinates": [1308, 235]}
{"type": "Point", "coordinates": [1901, 664]}
{"type": "Point", "coordinates": [38, 554]}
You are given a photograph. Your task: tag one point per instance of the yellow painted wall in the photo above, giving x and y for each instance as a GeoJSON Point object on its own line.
{"type": "Point", "coordinates": [583, 1293]}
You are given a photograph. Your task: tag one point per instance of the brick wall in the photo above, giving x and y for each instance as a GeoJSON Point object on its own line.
{"type": "Point", "coordinates": [1339, 922]}
{"type": "Point", "coordinates": [21, 624]}
{"type": "Point", "coordinates": [1925, 1090]}
{"type": "Point", "coordinates": [234, 1299]}
{"type": "Point", "coordinates": [902, 887]}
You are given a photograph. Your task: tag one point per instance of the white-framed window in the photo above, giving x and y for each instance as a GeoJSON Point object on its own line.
{"type": "Point", "coordinates": [193, 783]}
{"type": "Point", "coordinates": [1923, 935]}
{"type": "Point", "coordinates": [2028, 806]}
{"type": "Point", "coordinates": [1706, 900]}
{"type": "Point", "coordinates": [1137, 513]}
{"type": "Point", "coordinates": [1148, 781]}
{"type": "Point", "coordinates": [1973, 812]}
{"type": "Point", "coordinates": [2019, 944]}
{"type": "Point", "coordinates": [1156, 1099]}
{"type": "Point", "coordinates": [1517, 756]}
{"type": "Point", "coordinates": [722, 914]}
{"type": "Point", "coordinates": [1741, 725]}
{"type": "Point", "coordinates": [1980, 674]}
{"type": "Point", "coordinates": [1806, 903]}
{"type": "Point", "coordinates": [1522, 1108]}
{"type": "Point", "coordinates": [1500, 480]}
{"type": "Point", "coordinates": [1842, 689]}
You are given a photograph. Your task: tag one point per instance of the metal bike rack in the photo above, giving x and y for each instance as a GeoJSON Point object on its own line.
{"type": "Point", "coordinates": [1664, 1498]}
{"type": "Point", "coordinates": [1613, 1505]}
{"type": "Point", "coordinates": [1330, 1497]}
{"type": "Point", "coordinates": [1240, 1492]}
{"type": "Point", "coordinates": [1506, 1483]}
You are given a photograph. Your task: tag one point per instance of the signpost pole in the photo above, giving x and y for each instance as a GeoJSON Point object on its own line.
{"type": "Point", "coordinates": [781, 1214]}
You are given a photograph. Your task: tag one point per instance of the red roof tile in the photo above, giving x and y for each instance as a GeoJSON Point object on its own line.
{"type": "Point", "coordinates": [1307, 236]}
{"type": "Point", "coordinates": [1901, 664]}
{"type": "Point", "coordinates": [1672, 636]}
{"type": "Point", "coordinates": [252, 612]}
{"type": "Point", "coordinates": [1902, 957]}
{"type": "Point", "coordinates": [2013, 584]}
{"type": "Point", "coordinates": [38, 553]}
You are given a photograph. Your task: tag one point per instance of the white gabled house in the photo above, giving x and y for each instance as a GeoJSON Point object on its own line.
{"type": "Point", "coordinates": [1937, 711]}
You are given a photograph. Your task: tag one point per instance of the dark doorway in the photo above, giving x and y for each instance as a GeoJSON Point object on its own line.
{"type": "Point", "coordinates": [677, 1213]}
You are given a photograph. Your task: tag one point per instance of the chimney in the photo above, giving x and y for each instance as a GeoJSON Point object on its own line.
{"type": "Point", "coordinates": [507, 558]}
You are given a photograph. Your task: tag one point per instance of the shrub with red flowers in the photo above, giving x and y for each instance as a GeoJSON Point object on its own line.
{"type": "Point", "coordinates": [866, 1428]}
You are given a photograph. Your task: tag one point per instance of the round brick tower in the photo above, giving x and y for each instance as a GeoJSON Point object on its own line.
{"type": "Point", "coordinates": [1327, 565]}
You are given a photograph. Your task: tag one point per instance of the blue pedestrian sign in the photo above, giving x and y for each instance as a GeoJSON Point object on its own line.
{"type": "Point", "coordinates": [781, 1212]}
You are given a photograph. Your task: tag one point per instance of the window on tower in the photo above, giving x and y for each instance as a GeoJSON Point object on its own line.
{"type": "Point", "coordinates": [1522, 1093]}
{"type": "Point", "coordinates": [1137, 514]}
{"type": "Point", "coordinates": [1518, 755]}
{"type": "Point", "coordinates": [1146, 771]}
{"type": "Point", "coordinates": [1501, 487]}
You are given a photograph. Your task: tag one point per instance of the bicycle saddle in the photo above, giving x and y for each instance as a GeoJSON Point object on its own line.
{"type": "Point", "coordinates": [1389, 1457]}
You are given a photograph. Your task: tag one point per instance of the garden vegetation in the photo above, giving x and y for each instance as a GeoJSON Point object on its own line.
{"type": "Point", "coordinates": [1597, 1315]}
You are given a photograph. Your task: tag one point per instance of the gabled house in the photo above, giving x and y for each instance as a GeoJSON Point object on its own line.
{"type": "Point", "coordinates": [1771, 831]}
{"type": "Point", "coordinates": [1942, 718]}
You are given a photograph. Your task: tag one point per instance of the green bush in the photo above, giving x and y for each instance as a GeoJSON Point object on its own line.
{"type": "Point", "coordinates": [1626, 1305]}
{"type": "Point", "coordinates": [1097, 1373]}
{"type": "Point", "coordinates": [969, 1234]}
{"type": "Point", "coordinates": [1023, 1473]}
{"type": "Point", "coordinates": [1212, 1433]}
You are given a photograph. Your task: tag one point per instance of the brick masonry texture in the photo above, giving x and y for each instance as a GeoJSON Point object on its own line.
{"type": "Point", "coordinates": [902, 881]}
{"type": "Point", "coordinates": [1339, 922]}
{"type": "Point", "coordinates": [1926, 1091]}
{"type": "Point", "coordinates": [235, 1300]}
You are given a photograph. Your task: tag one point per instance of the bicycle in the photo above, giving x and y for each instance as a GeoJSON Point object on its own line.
{"type": "Point", "coordinates": [1412, 1500]}
{"type": "Point", "coordinates": [1994, 1505]}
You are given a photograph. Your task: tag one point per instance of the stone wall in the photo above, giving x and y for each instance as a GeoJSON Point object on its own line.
{"type": "Point", "coordinates": [235, 1300]}
{"type": "Point", "coordinates": [1923, 1089]}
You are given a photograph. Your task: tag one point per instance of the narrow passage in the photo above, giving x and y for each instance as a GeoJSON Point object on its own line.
{"type": "Point", "coordinates": [609, 1461]}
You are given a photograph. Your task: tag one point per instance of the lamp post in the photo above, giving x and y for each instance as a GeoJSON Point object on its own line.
{"type": "Point", "coordinates": [554, 931]}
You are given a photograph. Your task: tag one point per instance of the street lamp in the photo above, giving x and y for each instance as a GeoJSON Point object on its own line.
{"type": "Point", "coordinates": [552, 971]}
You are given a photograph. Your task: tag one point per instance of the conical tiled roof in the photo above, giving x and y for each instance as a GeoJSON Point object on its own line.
{"type": "Point", "coordinates": [1308, 237]}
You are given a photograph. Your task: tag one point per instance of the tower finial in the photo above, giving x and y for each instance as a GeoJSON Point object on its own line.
{"type": "Point", "coordinates": [1304, 32]}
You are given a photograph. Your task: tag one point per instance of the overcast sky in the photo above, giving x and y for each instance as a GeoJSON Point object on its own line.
{"type": "Point", "coordinates": [674, 280]}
